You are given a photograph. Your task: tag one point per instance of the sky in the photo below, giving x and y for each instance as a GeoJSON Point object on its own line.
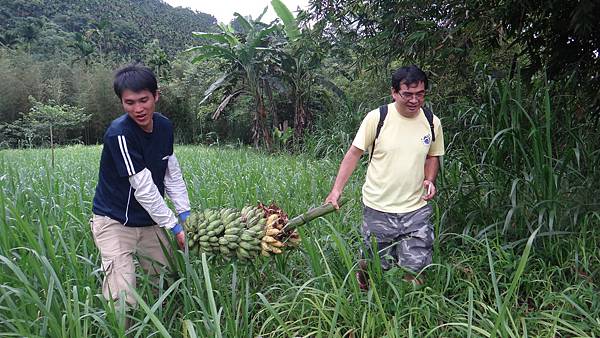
{"type": "Point", "coordinates": [223, 9]}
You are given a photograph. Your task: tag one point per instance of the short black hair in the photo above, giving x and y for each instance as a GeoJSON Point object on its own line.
{"type": "Point", "coordinates": [408, 75]}
{"type": "Point", "coordinates": [135, 77]}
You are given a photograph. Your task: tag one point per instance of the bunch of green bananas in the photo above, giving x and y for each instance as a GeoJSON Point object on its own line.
{"type": "Point", "coordinates": [237, 233]}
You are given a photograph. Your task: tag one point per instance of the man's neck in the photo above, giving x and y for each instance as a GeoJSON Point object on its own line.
{"type": "Point", "coordinates": [149, 128]}
{"type": "Point", "coordinates": [404, 112]}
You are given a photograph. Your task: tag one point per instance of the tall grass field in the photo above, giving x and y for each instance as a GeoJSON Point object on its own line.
{"type": "Point", "coordinates": [488, 278]}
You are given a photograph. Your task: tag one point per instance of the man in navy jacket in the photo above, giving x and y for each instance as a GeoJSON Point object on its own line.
{"type": "Point", "coordinates": [137, 167]}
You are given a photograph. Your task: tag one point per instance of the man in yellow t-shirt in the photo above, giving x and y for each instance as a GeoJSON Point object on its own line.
{"type": "Point", "coordinates": [400, 177]}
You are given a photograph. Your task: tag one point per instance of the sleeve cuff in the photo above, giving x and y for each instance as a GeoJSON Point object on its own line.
{"type": "Point", "coordinates": [176, 229]}
{"type": "Point", "coordinates": [184, 215]}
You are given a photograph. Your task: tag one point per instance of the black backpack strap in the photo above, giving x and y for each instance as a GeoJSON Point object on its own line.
{"type": "Point", "coordinates": [429, 116]}
{"type": "Point", "coordinates": [382, 114]}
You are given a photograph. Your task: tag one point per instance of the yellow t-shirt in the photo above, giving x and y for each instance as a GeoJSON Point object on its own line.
{"type": "Point", "coordinates": [395, 175]}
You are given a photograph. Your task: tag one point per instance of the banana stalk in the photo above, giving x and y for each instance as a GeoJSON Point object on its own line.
{"type": "Point", "coordinates": [311, 214]}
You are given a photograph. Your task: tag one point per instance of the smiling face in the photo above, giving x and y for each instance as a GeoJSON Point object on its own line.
{"type": "Point", "coordinates": [409, 98]}
{"type": "Point", "coordinates": [140, 107]}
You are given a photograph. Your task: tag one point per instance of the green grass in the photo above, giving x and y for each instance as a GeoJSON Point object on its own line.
{"type": "Point", "coordinates": [516, 252]}
{"type": "Point", "coordinates": [482, 283]}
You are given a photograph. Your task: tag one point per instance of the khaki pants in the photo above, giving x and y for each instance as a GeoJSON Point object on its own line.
{"type": "Point", "coordinates": [117, 244]}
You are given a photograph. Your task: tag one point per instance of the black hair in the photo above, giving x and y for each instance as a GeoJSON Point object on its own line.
{"type": "Point", "coordinates": [408, 75]}
{"type": "Point", "coordinates": [136, 78]}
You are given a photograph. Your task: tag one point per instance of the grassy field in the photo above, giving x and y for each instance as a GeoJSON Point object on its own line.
{"type": "Point", "coordinates": [500, 268]}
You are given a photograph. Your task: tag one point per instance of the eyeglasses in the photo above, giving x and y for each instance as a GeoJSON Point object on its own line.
{"type": "Point", "coordinates": [409, 96]}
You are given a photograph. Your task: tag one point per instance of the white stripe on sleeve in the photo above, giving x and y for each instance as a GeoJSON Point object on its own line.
{"type": "Point", "coordinates": [125, 154]}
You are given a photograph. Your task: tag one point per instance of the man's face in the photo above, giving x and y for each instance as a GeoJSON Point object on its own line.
{"type": "Point", "coordinates": [410, 98]}
{"type": "Point", "coordinates": [140, 107]}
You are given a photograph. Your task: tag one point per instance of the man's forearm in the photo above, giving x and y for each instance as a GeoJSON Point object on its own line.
{"type": "Point", "coordinates": [146, 193]}
{"type": "Point", "coordinates": [432, 165]}
{"type": "Point", "coordinates": [175, 186]}
{"type": "Point", "coordinates": [346, 168]}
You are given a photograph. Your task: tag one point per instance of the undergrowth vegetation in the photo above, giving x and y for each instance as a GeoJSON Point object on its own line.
{"type": "Point", "coordinates": [516, 253]}
{"type": "Point", "coordinates": [479, 284]}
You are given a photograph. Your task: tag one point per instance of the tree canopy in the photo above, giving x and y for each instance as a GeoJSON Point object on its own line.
{"type": "Point", "coordinates": [313, 71]}
{"type": "Point", "coordinates": [83, 27]}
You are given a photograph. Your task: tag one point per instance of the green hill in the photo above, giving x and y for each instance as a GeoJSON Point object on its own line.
{"type": "Point", "coordinates": [98, 27]}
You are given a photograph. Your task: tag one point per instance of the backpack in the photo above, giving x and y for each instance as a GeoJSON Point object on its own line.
{"type": "Point", "coordinates": [383, 113]}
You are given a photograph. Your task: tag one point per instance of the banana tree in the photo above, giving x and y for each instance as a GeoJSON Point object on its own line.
{"type": "Point", "coordinates": [247, 58]}
{"type": "Point", "coordinates": [298, 64]}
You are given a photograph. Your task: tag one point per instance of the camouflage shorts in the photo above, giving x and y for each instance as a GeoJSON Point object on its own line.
{"type": "Point", "coordinates": [404, 239]}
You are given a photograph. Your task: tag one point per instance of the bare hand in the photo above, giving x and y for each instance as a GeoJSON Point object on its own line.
{"type": "Point", "coordinates": [333, 199]}
{"type": "Point", "coordinates": [430, 190]}
{"type": "Point", "coordinates": [181, 240]}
